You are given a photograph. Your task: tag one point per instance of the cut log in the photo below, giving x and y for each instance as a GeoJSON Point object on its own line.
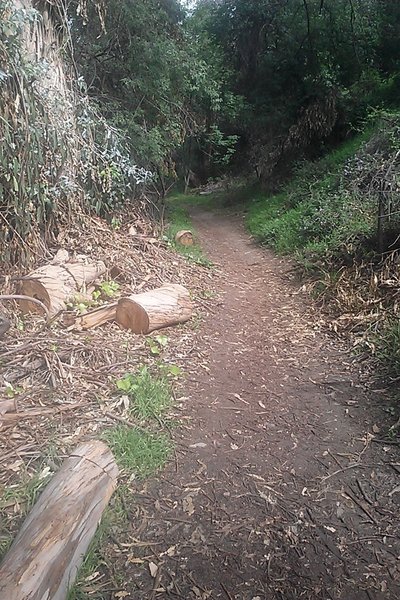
{"type": "Point", "coordinates": [44, 559]}
{"type": "Point", "coordinates": [96, 317]}
{"type": "Point", "coordinates": [54, 285]}
{"type": "Point", "coordinates": [184, 237]}
{"type": "Point", "coordinates": [162, 307]}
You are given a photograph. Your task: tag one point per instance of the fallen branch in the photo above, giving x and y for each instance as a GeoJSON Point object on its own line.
{"type": "Point", "coordinates": [28, 299]}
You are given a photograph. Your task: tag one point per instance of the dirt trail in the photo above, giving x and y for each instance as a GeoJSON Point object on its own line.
{"type": "Point", "coordinates": [278, 491]}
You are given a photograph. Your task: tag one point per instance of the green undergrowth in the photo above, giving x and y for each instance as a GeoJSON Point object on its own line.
{"type": "Point", "coordinates": [148, 396]}
{"type": "Point", "coordinates": [327, 218]}
{"type": "Point", "coordinates": [315, 216]}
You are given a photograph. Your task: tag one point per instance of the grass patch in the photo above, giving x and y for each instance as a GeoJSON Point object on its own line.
{"type": "Point", "coordinates": [149, 396]}
{"type": "Point", "coordinates": [138, 452]}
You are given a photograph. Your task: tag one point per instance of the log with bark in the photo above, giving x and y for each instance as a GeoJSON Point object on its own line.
{"type": "Point", "coordinates": [44, 559]}
{"type": "Point", "coordinates": [159, 308]}
{"type": "Point", "coordinates": [184, 237]}
{"type": "Point", "coordinates": [55, 284]}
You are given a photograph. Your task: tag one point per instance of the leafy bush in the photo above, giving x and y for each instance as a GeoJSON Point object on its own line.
{"type": "Point", "coordinates": [329, 209]}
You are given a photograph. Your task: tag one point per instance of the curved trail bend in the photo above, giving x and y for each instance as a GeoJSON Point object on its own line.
{"type": "Point", "coordinates": [278, 491]}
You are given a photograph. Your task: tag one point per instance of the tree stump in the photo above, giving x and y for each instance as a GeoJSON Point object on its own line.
{"type": "Point", "coordinates": [184, 237]}
{"type": "Point", "coordinates": [163, 307]}
{"type": "Point", "coordinates": [44, 559]}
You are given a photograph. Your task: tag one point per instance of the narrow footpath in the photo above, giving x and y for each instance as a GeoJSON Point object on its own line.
{"type": "Point", "coordinates": [280, 487]}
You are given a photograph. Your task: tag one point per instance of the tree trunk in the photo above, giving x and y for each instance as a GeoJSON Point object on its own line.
{"type": "Point", "coordinates": [162, 307]}
{"type": "Point", "coordinates": [54, 285]}
{"type": "Point", "coordinates": [44, 559]}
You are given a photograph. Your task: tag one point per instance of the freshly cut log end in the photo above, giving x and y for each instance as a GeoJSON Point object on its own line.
{"type": "Point", "coordinates": [44, 558]}
{"type": "Point", "coordinates": [184, 237]}
{"type": "Point", "coordinates": [130, 315]}
{"type": "Point", "coordinates": [163, 307]}
{"type": "Point", "coordinates": [54, 285]}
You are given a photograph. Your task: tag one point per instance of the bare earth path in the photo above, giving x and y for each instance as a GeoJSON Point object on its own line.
{"type": "Point", "coordinates": [279, 489]}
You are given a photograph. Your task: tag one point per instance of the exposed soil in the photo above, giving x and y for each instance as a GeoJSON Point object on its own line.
{"type": "Point", "coordinates": [281, 487]}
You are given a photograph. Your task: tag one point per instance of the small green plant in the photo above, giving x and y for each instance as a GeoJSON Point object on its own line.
{"type": "Point", "coordinates": [170, 370]}
{"type": "Point", "coordinates": [106, 290]}
{"type": "Point", "coordinates": [149, 396]}
{"type": "Point", "coordinates": [139, 453]}
{"type": "Point", "coordinates": [157, 343]}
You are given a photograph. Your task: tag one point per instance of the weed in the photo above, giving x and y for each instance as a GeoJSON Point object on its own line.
{"type": "Point", "coordinates": [316, 214]}
{"type": "Point", "coordinates": [157, 343]}
{"type": "Point", "coordinates": [138, 452]}
{"type": "Point", "coordinates": [106, 290]}
{"type": "Point", "coordinates": [149, 396]}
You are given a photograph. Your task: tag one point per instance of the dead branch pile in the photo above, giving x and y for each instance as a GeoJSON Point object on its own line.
{"type": "Point", "coordinates": [58, 386]}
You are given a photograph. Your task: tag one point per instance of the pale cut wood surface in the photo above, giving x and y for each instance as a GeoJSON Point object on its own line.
{"type": "Point", "coordinates": [44, 559]}
{"type": "Point", "coordinates": [96, 317]}
{"type": "Point", "coordinates": [184, 237]}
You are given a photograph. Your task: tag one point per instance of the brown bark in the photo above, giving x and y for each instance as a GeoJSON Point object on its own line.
{"type": "Point", "coordinates": [162, 307]}
{"type": "Point", "coordinates": [54, 285]}
{"type": "Point", "coordinates": [45, 557]}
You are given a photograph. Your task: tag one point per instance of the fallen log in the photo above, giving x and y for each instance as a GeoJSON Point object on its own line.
{"type": "Point", "coordinates": [162, 307]}
{"type": "Point", "coordinates": [44, 559]}
{"type": "Point", "coordinates": [54, 285]}
{"type": "Point", "coordinates": [184, 237]}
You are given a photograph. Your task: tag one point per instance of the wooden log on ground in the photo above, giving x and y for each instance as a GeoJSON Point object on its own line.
{"type": "Point", "coordinates": [184, 237]}
{"type": "Point", "coordinates": [162, 307]}
{"type": "Point", "coordinates": [44, 559]}
{"type": "Point", "coordinates": [54, 285]}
